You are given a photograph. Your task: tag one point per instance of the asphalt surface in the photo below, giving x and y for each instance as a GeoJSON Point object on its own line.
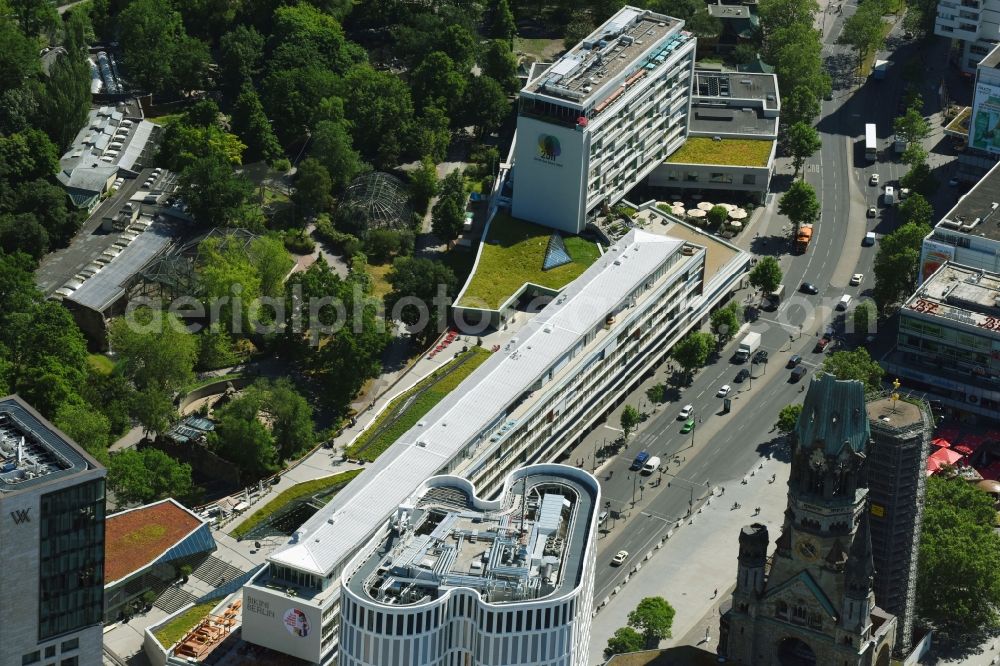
{"type": "Point", "coordinates": [725, 447]}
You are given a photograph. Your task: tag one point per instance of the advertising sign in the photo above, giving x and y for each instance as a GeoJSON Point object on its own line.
{"type": "Point", "coordinates": [549, 182]}
{"type": "Point", "coordinates": [282, 624]}
{"type": "Point", "coordinates": [984, 130]}
{"type": "Point", "coordinates": [932, 255]}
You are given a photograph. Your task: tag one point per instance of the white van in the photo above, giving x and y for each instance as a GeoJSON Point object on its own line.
{"type": "Point", "coordinates": [651, 465]}
{"type": "Point", "coordinates": [889, 197]}
{"type": "Point", "coordinates": [845, 300]}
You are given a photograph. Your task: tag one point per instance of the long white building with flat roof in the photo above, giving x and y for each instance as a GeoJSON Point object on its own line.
{"type": "Point", "coordinates": [457, 579]}
{"type": "Point", "coordinates": [601, 117]}
{"type": "Point", "coordinates": [528, 403]}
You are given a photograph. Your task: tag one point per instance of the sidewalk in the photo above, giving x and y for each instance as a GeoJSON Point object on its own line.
{"type": "Point", "coordinates": [698, 559]}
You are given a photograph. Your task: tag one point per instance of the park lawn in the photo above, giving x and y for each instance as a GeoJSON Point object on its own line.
{"type": "Point", "coordinates": [543, 50]}
{"type": "Point", "coordinates": [178, 627]}
{"type": "Point", "coordinates": [379, 274]}
{"type": "Point", "coordinates": [166, 118]}
{"type": "Point", "coordinates": [731, 152]}
{"type": "Point", "coordinates": [100, 364]}
{"type": "Point", "coordinates": [296, 492]}
{"type": "Point", "coordinates": [513, 255]}
{"type": "Point", "coordinates": [415, 411]}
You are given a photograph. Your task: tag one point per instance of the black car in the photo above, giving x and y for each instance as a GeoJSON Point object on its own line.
{"type": "Point", "coordinates": [794, 361]}
{"type": "Point", "coordinates": [798, 373]}
{"type": "Point", "coordinates": [742, 375]}
{"type": "Point", "coordinates": [760, 357]}
{"type": "Point", "coordinates": [808, 288]}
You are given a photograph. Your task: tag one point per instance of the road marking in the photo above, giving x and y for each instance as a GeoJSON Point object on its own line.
{"type": "Point", "coordinates": [613, 428]}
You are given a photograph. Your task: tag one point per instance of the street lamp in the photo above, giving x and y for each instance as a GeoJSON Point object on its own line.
{"type": "Point", "coordinates": [635, 480]}
{"type": "Point", "coordinates": [642, 487]}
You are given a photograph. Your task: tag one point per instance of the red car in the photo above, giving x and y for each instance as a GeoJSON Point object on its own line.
{"type": "Point", "coordinates": [822, 343]}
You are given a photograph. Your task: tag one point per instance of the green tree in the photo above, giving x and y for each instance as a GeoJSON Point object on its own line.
{"type": "Point", "coordinates": [800, 204]}
{"type": "Point", "coordinates": [766, 275]}
{"type": "Point", "coordinates": [290, 416]}
{"type": "Point", "coordinates": [704, 25]}
{"type": "Point", "coordinates": [855, 364]}
{"type": "Point", "coordinates": [154, 349]}
{"type": "Point", "coordinates": [87, 427]}
{"type": "Point", "coordinates": [624, 640]}
{"type": "Point", "coordinates": [19, 56]}
{"type": "Point", "coordinates": [656, 393]}
{"type": "Point", "coordinates": [915, 209]}
{"type": "Point", "coordinates": [896, 264]}
{"type": "Point", "coordinates": [448, 214]}
{"type": "Point", "coordinates": [958, 575]}
{"type": "Point", "coordinates": [35, 16]}
{"type": "Point", "coordinates": [380, 112]}
{"type": "Point", "coordinates": [187, 139]}
{"type": "Point", "coordinates": [430, 135]}
{"type": "Point", "coordinates": [498, 62]}
{"type": "Point", "coordinates": [502, 25]}
{"type": "Point", "coordinates": [692, 351]}
{"type": "Point", "coordinates": [215, 193]}
{"type": "Point", "coordinates": [312, 188]}
{"type": "Point", "coordinates": [66, 98]}
{"type": "Point", "coordinates": [154, 409]}
{"type": "Point", "coordinates": [788, 417]}
{"type": "Point", "coordinates": [629, 420]}
{"type": "Point", "coordinates": [28, 155]}
{"type": "Point", "coordinates": [271, 263]}
{"type": "Point", "coordinates": [424, 281]}
{"type": "Point", "coordinates": [423, 185]}
{"type": "Point", "coordinates": [914, 154]}
{"type": "Point", "coordinates": [252, 126]}
{"type": "Point", "coordinates": [777, 14]}
{"type": "Point", "coordinates": [920, 179]}
{"type": "Point", "coordinates": [215, 349]}
{"type": "Point", "coordinates": [302, 33]}
{"type": "Point", "coordinates": [803, 142]}
{"type": "Point", "coordinates": [23, 233]}
{"type": "Point", "coordinates": [653, 618]}
{"type": "Point", "coordinates": [331, 145]}
{"type": "Point", "coordinates": [240, 53]}
{"type": "Point", "coordinates": [139, 477]}
{"type": "Point", "coordinates": [864, 317]}
{"type": "Point", "coordinates": [161, 56]}
{"type": "Point", "coordinates": [864, 30]}
{"type": "Point", "coordinates": [50, 206]}
{"type": "Point", "coordinates": [241, 438]}
{"type": "Point", "coordinates": [798, 63]}
{"type": "Point", "coordinates": [296, 96]}
{"type": "Point", "coordinates": [717, 215]}
{"type": "Point", "coordinates": [801, 106]}
{"type": "Point", "coordinates": [436, 81]}
{"type": "Point", "coordinates": [911, 126]}
{"type": "Point", "coordinates": [486, 104]}
{"type": "Point", "coordinates": [725, 322]}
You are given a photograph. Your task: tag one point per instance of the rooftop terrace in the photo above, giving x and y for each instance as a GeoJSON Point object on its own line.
{"type": "Point", "coordinates": [31, 451]}
{"type": "Point", "coordinates": [961, 294]}
{"type": "Point", "coordinates": [527, 545]}
{"type": "Point", "coordinates": [628, 40]}
{"type": "Point", "coordinates": [136, 537]}
{"type": "Point", "coordinates": [976, 212]}
{"type": "Point", "coordinates": [725, 152]}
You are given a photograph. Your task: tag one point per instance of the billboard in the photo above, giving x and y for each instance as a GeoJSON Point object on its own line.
{"type": "Point", "coordinates": [548, 175]}
{"type": "Point", "coordinates": [286, 625]}
{"type": "Point", "coordinates": [932, 255]}
{"type": "Point", "coordinates": [984, 130]}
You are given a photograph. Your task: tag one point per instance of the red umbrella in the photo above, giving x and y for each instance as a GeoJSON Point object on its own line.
{"type": "Point", "coordinates": [946, 456]}
{"type": "Point", "coordinates": [964, 449]}
{"type": "Point", "coordinates": [942, 442]}
{"type": "Point", "coordinates": [933, 466]}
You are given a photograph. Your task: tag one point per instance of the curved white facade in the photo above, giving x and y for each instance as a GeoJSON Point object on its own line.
{"type": "Point", "coordinates": [456, 624]}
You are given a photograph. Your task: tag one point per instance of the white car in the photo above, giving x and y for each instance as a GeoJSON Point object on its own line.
{"type": "Point", "coordinates": [873, 180]}
{"type": "Point", "coordinates": [856, 279]}
{"type": "Point", "coordinates": [724, 391]}
{"type": "Point", "coordinates": [872, 211]}
{"type": "Point", "coordinates": [619, 558]}
{"type": "Point", "coordinates": [685, 412]}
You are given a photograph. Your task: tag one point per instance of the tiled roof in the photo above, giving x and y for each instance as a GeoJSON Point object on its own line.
{"type": "Point", "coordinates": [137, 537]}
{"type": "Point", "coordinates": [834, 415]}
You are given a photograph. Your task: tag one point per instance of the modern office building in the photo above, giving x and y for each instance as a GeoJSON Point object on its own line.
{"type": "Point", "coordinates": [949, 340]}
{"type": "Point", "coordinates": [457, 579]}
{"type": "Point", "coordinates": [983, 134]}
{"type": "Point", "coordinates": [813, 600]}
{"type": "Point", "coordinates": [897, 454]}
{"type": "Point", "coordinates": [975, 24]}
{"type": "Point", "coordinates": [969, 234]}
{"type": "Point", "coordinates": [600, 118]}
{"type": "Point", "coordinates": [51, 544]}
{"type": "Point", "coordinates": [537, 396]}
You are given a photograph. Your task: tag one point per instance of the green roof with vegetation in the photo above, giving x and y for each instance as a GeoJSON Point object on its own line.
{"type": "Point", "coordinates": [960, 123]}
{"type": "Point", "coordinates": [727, 152]}
{"type": "Point", "coordinates": [409, 407]}
{"type": "Point", "coordinates": [177, 628]}
{"type": "Point", "coordinates": [512, 256]}
{"type": "Point", "coordinates": [296, 492]}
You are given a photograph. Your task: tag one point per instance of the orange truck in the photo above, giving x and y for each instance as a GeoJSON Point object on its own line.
{"type": "Point", "coordinates": [802, 237]}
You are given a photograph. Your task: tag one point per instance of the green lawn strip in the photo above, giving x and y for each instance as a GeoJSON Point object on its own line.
{"type": "Point", "coordinates": [296, 492]}
{"type": "Point", "coordinates": [513, 255]}
{"type": "Point", "coordinates": [178, 627]}
{"type": "Point", "coordinates": [732, 152]}
{"type": "Point", "coordinates": [100, 364]}
{"type": "Point", "coordinates": [370, 444]}
{"type": "Point", "coordinates": [866, 65]}
{"type": "Point", "coordinates": [206, 381]}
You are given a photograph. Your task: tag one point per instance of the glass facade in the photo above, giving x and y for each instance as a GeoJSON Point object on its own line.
{"type": "Point", "coordinates": [71, 559]}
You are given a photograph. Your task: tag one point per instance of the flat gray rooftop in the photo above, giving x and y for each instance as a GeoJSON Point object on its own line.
{"type": "Point", "coordinates": [729, 11]}
{"type": "Point", "coordinates": [965, 295]}
{"type": "Point", "coordinates": [615, 47]}
{"type": "Point", "coordinates": [531, 544]}
{"type": "Point", "coordinates": [726, 120]}
{"type": "Point", "coordinates": [735, 85]}
{"type": "Point", "coordinates": [31, 452]}
{"type": "Point", "coordinates": [980, 203]}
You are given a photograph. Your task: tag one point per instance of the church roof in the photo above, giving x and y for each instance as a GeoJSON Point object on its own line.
{"type": "Point", "coordinates": [806, 579]}
{"type": "Point", "coordinates": [833, 416]}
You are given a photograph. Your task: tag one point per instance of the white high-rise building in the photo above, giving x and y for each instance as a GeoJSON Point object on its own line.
{"type": "Point", "coordinates": [456, 580]}
{"type": "Point", "coordinates": [975, 23]}
{"type": "Point", "coordinates": [51, 544]}
{"type": "Point", "coordinates": [600, 118]}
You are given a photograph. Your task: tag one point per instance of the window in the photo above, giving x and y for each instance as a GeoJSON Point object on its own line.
{"type": "Point", "coordinates": [71, 661]}
{"type": "Point", "coordinates": [50, 651]}
{"type": "Point", "coordinates": [71, 644]}
{"type": "Point", "coordinates": [749, 179]}
{"type": "Point", "coordinates": [31, 658]}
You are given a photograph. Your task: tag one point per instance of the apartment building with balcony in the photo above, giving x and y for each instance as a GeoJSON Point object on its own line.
{"type": "Point", "coordinates": [458, 579]}
{"type": "Point", "coordinates": [974, 23]}
{"type": "Point", "coordinates": [531, 401]}
{"type": "Point", "coordinates": [596, 122]}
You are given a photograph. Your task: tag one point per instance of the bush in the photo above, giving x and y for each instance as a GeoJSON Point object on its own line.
{"type": "Point", "coordinates": [297, 242]}
{"type": "Point", "coordinates": [282, 165]}
{"type": "Point", "coordinates": [381, 244]}
{"type": "Point", "coordinates": [346, 244]}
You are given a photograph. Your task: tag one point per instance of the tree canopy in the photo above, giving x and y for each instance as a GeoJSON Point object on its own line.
{"type": "Point", "coordinates": [624, 640]}
{"type": "Point", "coordinates": [147, 475]}
{"type": "Point", "coordinates": [629, 420]}
{"type": "Point", "coordinates": [418, 287]}
{"type": "Point", "coordinates": [693, 350]}
{"type": "Point", "coordinates": [788, 417]}
{"type": "Point", "coordinates": [803, 142]}
{"type": "Point", "coordinates": [653, 618]}
{"type": "Point", "coordinates": [800, 203]}
{"type": "Point", "coordinates": [896, 264]}
{"type": "Point", "coordinates": [766, 275]}
{"type": "Point", "coordinates": [725, 322]}
{"type": "Point", "coordinates": [855, 364]}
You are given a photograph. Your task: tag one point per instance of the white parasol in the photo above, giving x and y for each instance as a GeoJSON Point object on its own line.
{"type": "Point", "coordinates": [706, 206]}
{"type": "Point", "coordinates": [738, 214]}
{"type": "Point", "coordinates": [697, 212]}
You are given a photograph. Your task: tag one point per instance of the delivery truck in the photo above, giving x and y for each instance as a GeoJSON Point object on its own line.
{"type": "Point", "coordinates": [748, 345]}
{"type": "Point", "coordinates": [802, 237]}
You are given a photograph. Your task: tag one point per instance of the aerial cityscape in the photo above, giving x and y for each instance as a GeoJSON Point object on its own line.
{"type": "Point", "coordinates": [438, 332]}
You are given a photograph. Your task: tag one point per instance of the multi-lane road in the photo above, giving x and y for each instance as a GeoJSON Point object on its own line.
{"type": "Point", "coordinates": [725, 446]}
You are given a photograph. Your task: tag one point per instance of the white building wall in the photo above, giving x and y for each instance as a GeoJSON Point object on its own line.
{"type": "Point", "coordinates": [976, 23]}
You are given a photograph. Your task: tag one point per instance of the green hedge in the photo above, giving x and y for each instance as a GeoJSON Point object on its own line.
{"type": "Point", "coordinates": [178, 627]}
{"type": "Point", "coordinates": [296, 492]}
{"type": "Point", "coordinates": [369, 445]}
